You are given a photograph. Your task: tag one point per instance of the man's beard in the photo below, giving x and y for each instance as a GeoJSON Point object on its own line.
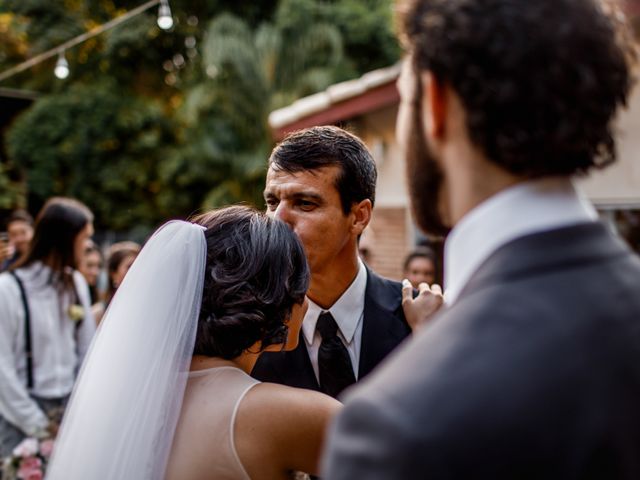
{"type": "Point", "coordinates": [424, 177]}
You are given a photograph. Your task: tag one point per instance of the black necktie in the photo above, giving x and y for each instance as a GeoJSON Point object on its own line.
{"type": "Point", "coordinates": [334, 364]}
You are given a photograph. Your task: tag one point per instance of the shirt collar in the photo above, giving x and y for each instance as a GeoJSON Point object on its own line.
{"type": "Point", "coordinates": [346, 311]}
{"type": "Point", "coordinates": [526, 208]}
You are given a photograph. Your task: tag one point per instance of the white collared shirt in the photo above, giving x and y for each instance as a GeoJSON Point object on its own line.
{"type": "Point", "coordinates": [348, 312]}
{"type": "Point", "coordinates": [526, 208]}
{"type": "Point", "coordinates": [57, 347]}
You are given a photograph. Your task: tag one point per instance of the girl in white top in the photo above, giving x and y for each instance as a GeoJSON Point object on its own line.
{"type": "Point", "coordinates": [60, 322]}
{"type": "Point", "coordinates": [165, 390]}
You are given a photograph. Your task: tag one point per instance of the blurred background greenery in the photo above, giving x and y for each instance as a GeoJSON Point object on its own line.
{"type": "Point", "coordinates": [152, 125]}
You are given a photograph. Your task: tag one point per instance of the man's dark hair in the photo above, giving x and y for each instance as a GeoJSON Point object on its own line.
{"type": "Point", "coordinates": [256, 271]}
{"type": "Point", "coordinates": [56, 228]}
{"type": "Point", "coordinates": [540, 80]}
{"type": "Point", "coordinates": [20, 216]}
{"type": "Point", "coordinates": [318, 147]}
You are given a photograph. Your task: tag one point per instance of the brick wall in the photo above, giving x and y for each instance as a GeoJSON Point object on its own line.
{"type": "Point", "coordinates": [387, 239]}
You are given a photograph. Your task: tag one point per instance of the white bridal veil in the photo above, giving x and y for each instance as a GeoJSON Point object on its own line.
{"type": "Point", "coordinates": [125, 405]}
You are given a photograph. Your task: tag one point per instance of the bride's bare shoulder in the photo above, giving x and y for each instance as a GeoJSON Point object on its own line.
{"type": "Point", "coordinates": [272, 400]}
{"type": "Point", "coordinates": [293, 420]}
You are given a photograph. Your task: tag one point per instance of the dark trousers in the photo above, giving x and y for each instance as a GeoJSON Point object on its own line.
{"type": "Point", "coordinates": [11, 436]}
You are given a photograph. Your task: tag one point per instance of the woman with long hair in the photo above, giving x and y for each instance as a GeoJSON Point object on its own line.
{"type": "Point", "coordinates": [46, 323]}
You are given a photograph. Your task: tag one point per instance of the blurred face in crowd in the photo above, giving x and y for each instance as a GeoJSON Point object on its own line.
{"type": "Point", "coordinates": [123, 267]}
{"type": "Point", "coordinates": [91, 266]}
{"type": "Point", "coordinates": [419, 270]}
{"type": "Point", "coordinates": [20, 234]}
{"type": "Point", "coordinates": [80, 242]}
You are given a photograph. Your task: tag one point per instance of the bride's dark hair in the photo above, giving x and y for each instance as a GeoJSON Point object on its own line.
{"type": "Point", "coordinates": [256, 271]}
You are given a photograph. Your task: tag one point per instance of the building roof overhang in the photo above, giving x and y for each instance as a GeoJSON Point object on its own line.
{"type": "Point", "coordinates": [338, 103]}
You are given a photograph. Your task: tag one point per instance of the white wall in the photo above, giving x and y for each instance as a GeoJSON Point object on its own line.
{"type": "Point", "coordinates": [619, 184]}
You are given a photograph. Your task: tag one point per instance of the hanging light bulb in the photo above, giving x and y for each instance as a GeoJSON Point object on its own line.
{"type": "Point", "coordinates": [62, 67]}
{"type": "Point", "coordinates": [165, 20]}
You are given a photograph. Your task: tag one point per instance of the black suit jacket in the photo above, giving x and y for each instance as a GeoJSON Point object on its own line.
{"type": "Point", "coordinates": [383, 328]}
{"type": "Point", "coordinates": [533, 373]}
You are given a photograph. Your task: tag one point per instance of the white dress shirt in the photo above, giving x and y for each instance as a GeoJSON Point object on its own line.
{"type": "Point", "coordinates": [57, 346]}
{"type": "Point", "coordinates": [348, 312]}
{"type": "Point", "coordinates": [526, 208]}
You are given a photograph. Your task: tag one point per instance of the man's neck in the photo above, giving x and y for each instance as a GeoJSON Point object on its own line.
{"type": "Point", "coordinates": [473, 181]}
{"type": "Point", "coordinates": [329, 285]}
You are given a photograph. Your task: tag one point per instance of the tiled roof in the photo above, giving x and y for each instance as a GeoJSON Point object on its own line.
{"type": "Point", "coordinates": [334, 94]}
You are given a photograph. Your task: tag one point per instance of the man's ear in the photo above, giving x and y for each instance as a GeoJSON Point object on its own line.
{"type": "Point", "coordinates": [361, 216]}
{"type": "Point", "coordinates": [434, 105]}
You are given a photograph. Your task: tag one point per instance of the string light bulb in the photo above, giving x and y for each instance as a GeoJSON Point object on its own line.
{"type": "Point", "coordinates": [165, 20]}
{"type": "Point", "coordinates": [62, 67]}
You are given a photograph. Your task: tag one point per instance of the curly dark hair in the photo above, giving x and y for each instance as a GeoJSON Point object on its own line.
{"type": "Point", "coordinates": [317, 147]}
{"type": "Point", "coordinates": [540, 80]}
{"type": "Point", "coordinates": [256, 271]}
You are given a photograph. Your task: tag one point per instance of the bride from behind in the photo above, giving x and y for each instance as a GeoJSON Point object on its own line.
{"type": "Point", "coordinates": [165, 390]}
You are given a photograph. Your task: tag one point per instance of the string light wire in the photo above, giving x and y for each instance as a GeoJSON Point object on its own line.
{"type": "Point", "coordinates": [59, 50]}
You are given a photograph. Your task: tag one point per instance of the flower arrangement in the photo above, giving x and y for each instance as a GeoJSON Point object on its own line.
{"type": "Point", "coordinates": [28, 460]}
{"type": "Point", "coordinates": [76, 312]}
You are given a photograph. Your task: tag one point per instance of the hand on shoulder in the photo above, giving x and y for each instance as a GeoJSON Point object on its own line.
{"type": "Point", "coordinates": [419, 310]}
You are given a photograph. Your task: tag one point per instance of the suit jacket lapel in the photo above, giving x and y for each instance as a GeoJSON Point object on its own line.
{"type": "Point", "coordinates": [299, 368]}
{"type": "Point", "coordinates": [383, 325]}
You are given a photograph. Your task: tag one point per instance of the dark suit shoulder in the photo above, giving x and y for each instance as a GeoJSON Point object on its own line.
{"type": "Point", "coordinates": [385, 292]}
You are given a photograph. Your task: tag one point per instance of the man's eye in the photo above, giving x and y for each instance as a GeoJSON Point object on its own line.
{"type": "Point", "coordinates": [304, 205]}
{"type": "Point", "coordinates": [271, 203]}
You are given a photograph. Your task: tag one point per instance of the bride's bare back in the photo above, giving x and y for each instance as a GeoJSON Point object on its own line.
{"type": "Point", "coordinates": [232, 427]}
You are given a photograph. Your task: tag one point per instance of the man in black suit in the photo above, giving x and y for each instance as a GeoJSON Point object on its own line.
{"type": "Point", "coordinates": [321, 181]}
{"type": "Point", "coordinates": [532, 369]}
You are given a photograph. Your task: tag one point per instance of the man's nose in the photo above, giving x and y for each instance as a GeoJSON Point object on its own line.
{"type": "Point", "coordinates": [283, 213]}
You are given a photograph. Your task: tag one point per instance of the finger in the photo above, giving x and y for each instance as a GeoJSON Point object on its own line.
{"type": "Point", "coordinates": [436, 289]}
{"type": "Point", "coordinates": [407, 291]}
{"type": "Point", "coordinates": [424, 287]}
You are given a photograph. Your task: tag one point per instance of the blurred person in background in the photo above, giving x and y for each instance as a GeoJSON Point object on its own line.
{"type": "Point", "coordinates": [91, 267]}
{"type": "Point", "coordinates": [365, 245]}
{"type": "Point", "coordinates": [46, 323]}
{"type": "Point", "coordinates": [16, 243]}
{"type": "Point", "coordinates": [120, 257]}
{"type": "Point", "coordinates": [420, 266]}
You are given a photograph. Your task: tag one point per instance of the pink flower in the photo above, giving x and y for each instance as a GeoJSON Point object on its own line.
{"type": "Point", "coordinates": [46, 447]}
{"type": "Point", "coordinates": [30, 463]}
{"type": "Point", "coordinates": [27, 448]}
{"type": "Point", "coordinates": [33, 475]}
{"type": "Point", "coordinates": [30, 469]}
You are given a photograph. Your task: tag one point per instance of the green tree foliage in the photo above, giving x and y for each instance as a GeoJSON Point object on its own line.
{"type": "Point", "coordinates": [98, 145]}
{"type": "Point", "coordinates": [249, 73]}
{"type": "Point", "coordinates": [151, 124]}
{"type": "Point", "coordinates": [12, 193]}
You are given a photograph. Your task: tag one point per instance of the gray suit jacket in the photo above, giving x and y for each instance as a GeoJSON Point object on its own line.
{"type": "Point", "coordinates": [533, 373]}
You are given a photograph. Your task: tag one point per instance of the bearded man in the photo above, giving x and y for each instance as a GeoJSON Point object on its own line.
{"type": "Point", "coordinates": [533, 368]}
